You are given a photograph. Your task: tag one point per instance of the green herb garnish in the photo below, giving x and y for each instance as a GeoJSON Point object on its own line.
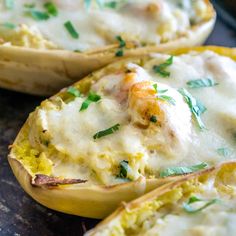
{"type": "Point", "coordinates": [106, 132]}
{"type": "Point", "coordinates": [122, 44]}
{"type": "Point", "coordinates": [124, 167]}
{"type": "Point", "coordinates": [189, 209]}
{"type": "Point", "coordinates": [161, 69]}
{"type": "Point", "coordinates": [111, 4]}
{"type": "Point", "coordinates": [8, 25]}
{"type": "Point", "coordinates": [101, 4]}
{"type": "Point", "coordinates": [9, 4]}
{"type": "Point", "coordinates": [38, 15]}
{"type": "Point", "coordinates": [92, 97]}
{"type": "Point", "coordinates": [196, 107]}
{"type": "Point", "coordinates": [153, 119]}
{"type": "Point", "coordinates": [72, 31]}
{"type": "Point", "coordinates": [73, 91]}
{"type": "Point", "coordinates": [201, 83]}
{"type": "Point", "coordinates": [29, 5]}
{"type": "Point", "coordinates": [88, 3]}
{"type": "Point", "coordinates": [51, 8]}
{"type": "Point", "coordinates": [225, 152]}
{"type": "Point", "coordinates": [172, 171]}
{"type": "Point", "coordinates": [167, 99]}
{"type": "Point", "coordinates": [121, 41]}
{"type": "Point", "coordinates": [162, 96]}
{"type": "Point", "coordinates": [119, 53]}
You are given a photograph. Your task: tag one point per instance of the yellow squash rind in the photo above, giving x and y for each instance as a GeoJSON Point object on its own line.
{"type": "Point", "coordinates": [212, 174]}
{"type": "Point", "coordinates": [80, 199]}
{"type": "Point", "coordinates": [44, 72]}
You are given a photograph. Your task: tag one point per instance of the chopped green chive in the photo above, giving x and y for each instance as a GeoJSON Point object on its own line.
{"type": "Point", "coordinates": [153, 119]}
{"type": "Point", "coordinates": [189, 209]}
{"type": "Point", "coordinates": [74, 91]}
{"type": "Point", "coordinates": [201, 83]}
{"type": "Point", "coordinates": [106, 132]}
{"type": "Point", "coordinates": [38, 15]}
{"type": "Point", "coordinates": [51, 8]}
{"type": "Point", "coordinates": [119, 53]}
{"type": "Point", "coordinates": [92, 97]}
{"type": "Point", "coordinates": [124, 167]}
{"type": "Point", "coordinates": [72, 31]}
{"type": "Point", "coordinates": [161, 69]}
{"type": "Point", "coordinates": [172, 171]}
{"type": "Point", "coordinates": [8, 25]}
{"type": "Point", "coordinates": [225, 152]}
{"type": "Point", "coordinates": [9, 4]}
{"type": "Point", "coordinates": [195, 106]}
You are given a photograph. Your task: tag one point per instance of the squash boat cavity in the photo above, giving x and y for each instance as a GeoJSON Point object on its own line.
{"type": "Point", "coordinates": [202, 203]}
{"type": "Point", "coordinates": [127, 129]}
{"type": "Point", "coordinates": [37, 54]}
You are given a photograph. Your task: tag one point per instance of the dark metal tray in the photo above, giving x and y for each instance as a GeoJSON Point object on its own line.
{"type": "Point", "coordinates": [19, 214]}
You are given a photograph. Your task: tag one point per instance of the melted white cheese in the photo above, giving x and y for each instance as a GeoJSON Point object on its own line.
{"type": "Point", "coordinates": [215, 220]}
{"type": "Point", "coordinates": [129, 99]}
{"type": "Point", "coordinates": [158, 20]}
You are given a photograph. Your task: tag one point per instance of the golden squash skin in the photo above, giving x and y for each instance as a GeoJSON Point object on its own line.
{"type": "Point", "coordinates": [220, 178]}
{"type": "Point", "coordinates": [82, 199]}
{"type": "Point", "coordinates": [45, 71]}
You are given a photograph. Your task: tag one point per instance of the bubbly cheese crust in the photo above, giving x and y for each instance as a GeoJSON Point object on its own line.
{"type": "Point", "coordinates": [155, 127]}
{"type": "Point", "coordinates": [98, 25]}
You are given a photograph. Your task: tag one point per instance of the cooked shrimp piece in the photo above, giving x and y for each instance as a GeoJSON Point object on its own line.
{"type": "Point", "coordinates": [162, 114]}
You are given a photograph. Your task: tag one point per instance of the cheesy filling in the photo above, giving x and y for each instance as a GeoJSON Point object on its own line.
{"type": "Point", "coordinates": [195, 208]}
{"type": "Point", "coordinates": [134, 122]}
{"type": "Point", "coordinates": [97, 23]}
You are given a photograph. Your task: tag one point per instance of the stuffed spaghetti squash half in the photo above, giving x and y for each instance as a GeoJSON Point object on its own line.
{"type": "Point", "coordinates": [47, 45]}
{"type": "Point", "coordinates": [200, 204]}
{"type": "Point", "coordinates": [127, 129]}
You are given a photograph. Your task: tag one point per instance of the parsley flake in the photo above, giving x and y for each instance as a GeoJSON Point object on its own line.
{"type": "Point", "coordinates": [8, 25]}
{"type": "Point", "coordinates": [111, 4]}
{"type": "Point", "coordinates": [29, 5]}
{"type": "Point", "coordinates": [124, 167]}
{"type": "Point", "coordinates": [201, 83]}
{"type": "Point", "coordinates": [153, 119]}
{"type": "Point", "coordinates": [9, 4]}
{"type": "Point", "coordinates": [189, 209]}
{"type": "Point", "coordinates": [121, 41]}
{"type": "Point", "coordinates": [162, 96]}
{"type": "Point", "coordinates": [73, 91]}
{"type": "Point", "coordinates": [38, 15]}
{"type": "Point", "coordinates": [195, 106]}
{"type": "Point", "coordinates": [92, 97]}
{"type": "Point", "coordinates": [119, 53]}
{"type": "Point", "coordinates": [51, 8]}
{"type": "Point", "coordinates": [181, 170]}
{"type": "Point", "coordinates": [225, 152]}
{"type": "Point", "coordinates": [161, 69]}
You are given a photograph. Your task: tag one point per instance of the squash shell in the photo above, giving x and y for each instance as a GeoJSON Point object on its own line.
{"type": "Point", "coordinates": [208, 174]}
{"type": "Point", "coordinates": [44, 72]}
{"type": "Point", "coordinates": [92, 201]}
